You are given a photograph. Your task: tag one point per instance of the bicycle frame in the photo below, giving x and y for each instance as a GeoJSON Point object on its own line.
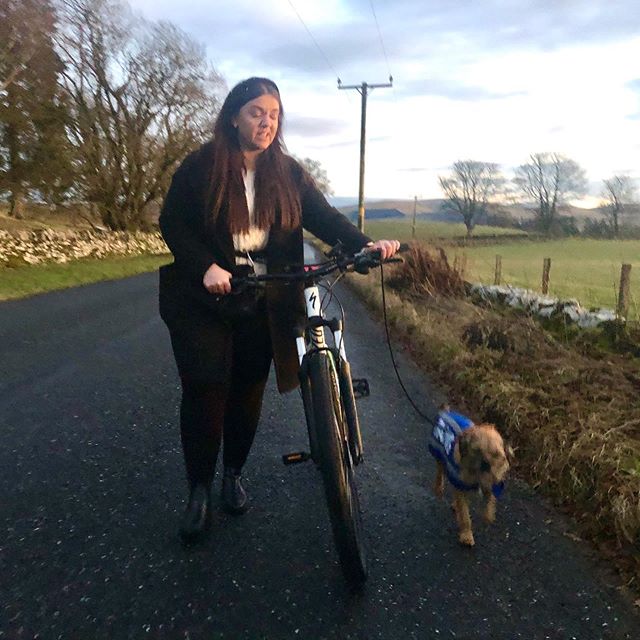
{"type": "Point", "coordinates": [313, 340]}
{"type": "Point", "coordinates": [316, 325]}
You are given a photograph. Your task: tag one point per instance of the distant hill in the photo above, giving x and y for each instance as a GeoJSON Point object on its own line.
{"type": "Point", "coordinates": [405, 207]}
{"type": "Point", "coordinates": [373, 214]}
{"type": "Point", "coordinates": [339, 201]}
{"type": "Point", "coordinates": [432, 210]}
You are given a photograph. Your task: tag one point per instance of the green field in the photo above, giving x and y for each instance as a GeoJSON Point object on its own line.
{"type": "Point", "coordinates": [588, 270]}
{"type": "Point", "coordinates": [402, 230]}
{"type": "Point", "coordinates": [31, 279]}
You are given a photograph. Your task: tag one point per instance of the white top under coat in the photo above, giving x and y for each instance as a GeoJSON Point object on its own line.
{"type": "Point", "coordinates": [255, 239]}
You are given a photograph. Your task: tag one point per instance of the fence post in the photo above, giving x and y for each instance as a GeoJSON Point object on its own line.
{"type": "Point", "coordinates": [546, 268]}
{"type": "Point", "coordinates": [498, 273]}
{"type": "Point", "coordinates": [623, 296]}
{"type": "Point", "coordinates": [463, 265]}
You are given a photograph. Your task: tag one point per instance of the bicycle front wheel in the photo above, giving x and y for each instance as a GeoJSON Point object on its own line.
{"type": "Point", "coordinates": [336, 467]}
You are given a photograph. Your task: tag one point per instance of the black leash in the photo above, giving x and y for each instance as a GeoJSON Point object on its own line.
{"type": "Point", "coordinates": [393, 360]}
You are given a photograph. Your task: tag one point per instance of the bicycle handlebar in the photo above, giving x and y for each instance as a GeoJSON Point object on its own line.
{"type": "Point", "coordinates": [361, 262]}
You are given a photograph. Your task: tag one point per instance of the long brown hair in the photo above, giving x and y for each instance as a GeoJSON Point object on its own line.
{"type": "Point", "coordinates": [276, 200]}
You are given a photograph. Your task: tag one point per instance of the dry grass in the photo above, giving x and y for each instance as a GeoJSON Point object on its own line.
{"type": "Point", "coordinates": [570, 412]}
{"type": "Point", "coordinates": [425, 272]}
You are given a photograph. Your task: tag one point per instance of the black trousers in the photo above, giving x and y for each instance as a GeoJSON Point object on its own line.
{"type": "Point", "coordinates": [226, 412]}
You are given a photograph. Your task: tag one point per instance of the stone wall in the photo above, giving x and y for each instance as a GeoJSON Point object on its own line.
{"type": "Point", "coordinates": [543, 306]}
{"type": "Point", "coordinates": [48, 245]}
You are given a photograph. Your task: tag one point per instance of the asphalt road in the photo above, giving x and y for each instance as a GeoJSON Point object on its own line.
{"type": "Point", "coordinates": [92, 487]}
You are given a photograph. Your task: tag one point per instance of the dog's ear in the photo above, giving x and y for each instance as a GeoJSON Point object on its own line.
{"type": "Point", "coordinates": [460, 449]}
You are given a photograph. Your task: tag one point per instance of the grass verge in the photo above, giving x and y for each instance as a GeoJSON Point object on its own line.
{"type": "Point", "coordinates": [28, 280]}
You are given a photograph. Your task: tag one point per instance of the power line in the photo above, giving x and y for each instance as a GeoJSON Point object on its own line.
{"type": "Point", "coordinates": [394, 121]}
{"type": "Point", "coordinates": [375, 17]}
{"type": "Point", "coordinates": [322, 53]}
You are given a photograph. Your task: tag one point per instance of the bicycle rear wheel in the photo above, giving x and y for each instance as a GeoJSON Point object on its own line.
{"type": "Point", "coordinates": [337, 467]}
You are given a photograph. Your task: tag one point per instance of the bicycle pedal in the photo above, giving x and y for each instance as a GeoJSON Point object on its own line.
{"type": "Point", "coordinates": [360, 387]}
{"type": "Point", "coordinates": [295, 458]}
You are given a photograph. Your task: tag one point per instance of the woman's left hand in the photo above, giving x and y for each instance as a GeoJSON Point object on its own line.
{"type": "Point", "coordinates": [387, 248]}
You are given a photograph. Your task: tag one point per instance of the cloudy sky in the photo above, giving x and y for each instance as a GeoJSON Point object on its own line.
{"type": "Point", "coordinates": [491, 80]}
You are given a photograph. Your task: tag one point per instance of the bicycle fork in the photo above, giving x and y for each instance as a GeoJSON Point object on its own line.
{"type": "Point", "coordinates": [316, 342]}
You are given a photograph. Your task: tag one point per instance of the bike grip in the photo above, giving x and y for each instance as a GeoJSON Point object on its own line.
{"type": "Point", "coordinates": [239, 284]}
{"type": "Point", "coordinates": [404, 247]}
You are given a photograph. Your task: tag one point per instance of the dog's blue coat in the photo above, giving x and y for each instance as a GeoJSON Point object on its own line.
{"type": "Point", "coordinates": [446, 430]}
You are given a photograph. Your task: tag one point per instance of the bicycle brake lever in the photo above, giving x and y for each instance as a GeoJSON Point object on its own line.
{"type": "Point", "coordinates": [336, 251]}
{"type": "Point", "coordinates": [365, 260]}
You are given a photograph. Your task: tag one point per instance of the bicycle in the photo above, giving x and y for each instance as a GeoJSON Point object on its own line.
{"type": "Point", "coordinates": [328, 396]}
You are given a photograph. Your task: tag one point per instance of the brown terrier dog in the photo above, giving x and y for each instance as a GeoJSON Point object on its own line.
{"type": "Point", "coordinates": [473, 458]}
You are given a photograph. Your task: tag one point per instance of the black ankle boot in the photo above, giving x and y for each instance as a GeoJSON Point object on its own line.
{"type": "Point", "coordinates": [234, 497]}
{"type": "Point", "coordinates": [197, 516]}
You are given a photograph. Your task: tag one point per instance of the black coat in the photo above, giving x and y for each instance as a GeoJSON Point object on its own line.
{"type": "Point", "coordinates": [185, 303]}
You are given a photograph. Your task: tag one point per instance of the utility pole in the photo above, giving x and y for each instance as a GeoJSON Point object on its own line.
{"type": "Point", "coordinates": [363, 90]}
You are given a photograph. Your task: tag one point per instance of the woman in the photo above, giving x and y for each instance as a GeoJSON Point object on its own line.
{"type": "Point", "coordinates": [237, 200]}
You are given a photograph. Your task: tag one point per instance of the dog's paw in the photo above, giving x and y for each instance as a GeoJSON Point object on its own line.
{"type": "Point", "coordinates": [466, 539]}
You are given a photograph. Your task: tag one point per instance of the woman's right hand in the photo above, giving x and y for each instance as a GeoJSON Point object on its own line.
{"type": "Point", "coordinates": [217, 280]}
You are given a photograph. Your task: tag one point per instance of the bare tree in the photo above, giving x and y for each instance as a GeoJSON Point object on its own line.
{"type": "Point", "coordinates": [469, 188]}
{"type": "Point", "coordinates": [319, 175]}
{"type": "Point", "coordinates": [24, 25]}
{"type": "Point", "coordinates": [550, 179]}
{"type": "Point", "coordinates": [142, 96]}
{"type": "Point", "coordinates": [618, 194]}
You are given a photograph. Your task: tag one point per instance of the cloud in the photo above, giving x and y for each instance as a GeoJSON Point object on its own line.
{"type": "Point", "coordinates": [301, 125]}
{"type": "Point", "coordinates": [438, 169]}
{"type": "Point", "coordinates": [243, 35]}
{"type": "Point", "coordinates": [453, 90]}
{"type": "Point", "coordinates": [471, 79]}
{"type": "Point", "coordinates": [351, 142]}
{"type": "Point", "coordinates": [342, 50]}
{"type": "Point", "coordinates": [494, 24]}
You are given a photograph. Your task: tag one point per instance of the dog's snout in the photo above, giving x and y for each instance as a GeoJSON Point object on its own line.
{"type": "Point", "coordinates": [485, 467]}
